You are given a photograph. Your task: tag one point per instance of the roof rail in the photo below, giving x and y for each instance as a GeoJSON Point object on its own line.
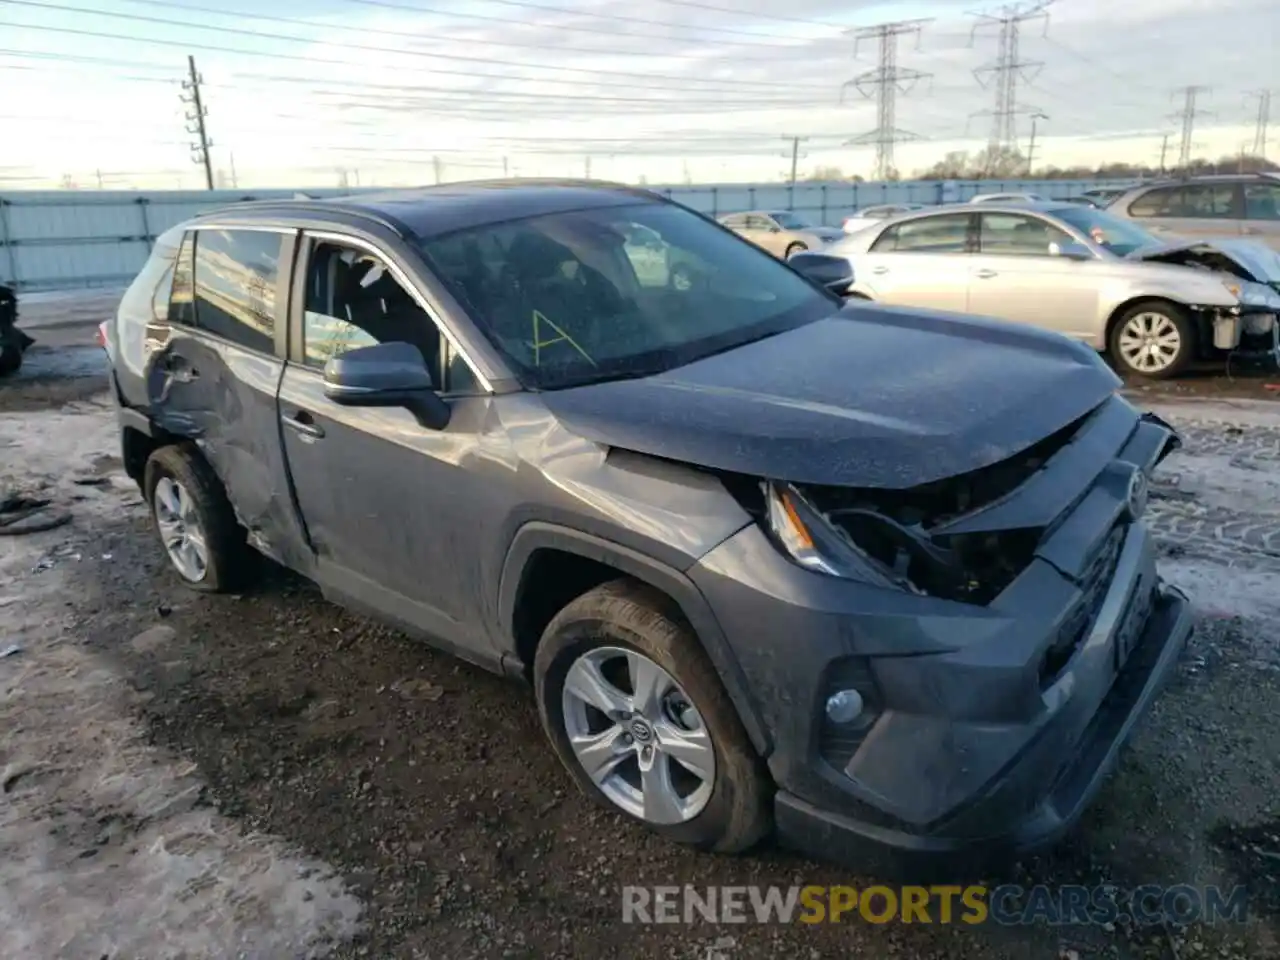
{"type": "Point", "coordinates": [303, 202]}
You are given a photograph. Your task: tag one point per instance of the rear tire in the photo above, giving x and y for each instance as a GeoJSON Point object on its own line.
{"type": "Point", "coordinates": [601, 642]}
{"type": "Point", "coordinates": [195, 522]}
{"type": "Point", "coordinates": [1155, 339]}
{"type": "Point", "coordinates": [796, 248]}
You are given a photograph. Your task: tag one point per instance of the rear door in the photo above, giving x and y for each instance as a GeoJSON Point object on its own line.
{"type": "Point", "coordinates": [386, 503]}
{"type": "Point", "coordinates": [214, 377]}
{"type": "Point", "coordinates": [1192, 210]}
{"type": "Point", "coordinates": [1015, 277]}
{"type": "Point", "coordinates": [920, 263]}
{"type": "Point", "coordinates": [1262, 213]}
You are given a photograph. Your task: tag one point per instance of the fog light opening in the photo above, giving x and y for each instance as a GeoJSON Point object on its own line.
{"type": "Point", "coordinates": [844, 706]}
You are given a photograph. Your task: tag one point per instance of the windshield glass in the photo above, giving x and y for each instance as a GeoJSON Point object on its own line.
{"type": "Point", "coordinates": [789, 221]}
{"type": "Point", "coordinates": [626, 291]}
{"type": "Point", "coordinates": [1121, 237]}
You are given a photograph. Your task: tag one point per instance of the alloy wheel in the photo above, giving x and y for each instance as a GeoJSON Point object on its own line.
{"type": "Point", "coordinates": [1150, 342]}
{"type": "Point", "coordinates": [180, 529]}
{"type": "Point", "coordinates": [638, 736]}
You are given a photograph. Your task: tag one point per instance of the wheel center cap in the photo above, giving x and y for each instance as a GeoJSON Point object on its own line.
{"type": "Point", "coordinates": [641, 730]}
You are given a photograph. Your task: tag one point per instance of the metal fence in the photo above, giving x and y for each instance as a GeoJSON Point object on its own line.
{"type": "Point", "coordinates": [63, 239]}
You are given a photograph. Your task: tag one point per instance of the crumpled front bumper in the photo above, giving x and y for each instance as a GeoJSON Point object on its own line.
{"type": "Point", "coordinates": [1041, 793]}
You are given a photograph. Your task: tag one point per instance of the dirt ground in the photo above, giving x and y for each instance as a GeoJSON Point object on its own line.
{"type": "Point", "coordinates": [267, 776]}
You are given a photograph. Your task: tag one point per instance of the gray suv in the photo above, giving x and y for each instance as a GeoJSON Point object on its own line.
{"type": "Point", "coordinates": [758, 575]}
{"type": "Point", "coordinates": [1247, 205]}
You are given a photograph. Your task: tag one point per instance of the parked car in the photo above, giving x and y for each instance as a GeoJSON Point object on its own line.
{"type": "Point", "coordinates": [781, 232]}
{"type": "Point", "coordinates": [755, 575]}
{"type": "Point", "coordinates": [13, 342]}
{"type": "Point", "coordinates": [1081, 200]}
{"type": "Point", "coordinates": [1007, 198]}
{"type": "Point", "coordinates": [869, 215]}
{"type": "Point", "coordinates": [1154, 306]}
{"type": "Point", "coordinates": [1212, 207]}
{"type": "Point", "coordinates": [1103, 196]}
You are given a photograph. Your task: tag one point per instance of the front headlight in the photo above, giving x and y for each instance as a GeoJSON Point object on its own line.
{"type": "Point", "coordinates": [808, 539]}
{"type": "Point", "coordinates": [1252, 294]}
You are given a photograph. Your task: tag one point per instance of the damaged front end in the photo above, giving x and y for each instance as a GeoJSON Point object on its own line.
{"type": "Point", "coordinates": [1251, 274]}
{"type": "Point", "coordinates": [964, 538]}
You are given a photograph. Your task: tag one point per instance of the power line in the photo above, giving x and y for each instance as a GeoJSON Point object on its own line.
{"type": "Point", "coordinates": [196, 121]}
{"type": "Point", "coordinates": [1007, 69]}
{"type": "Point", "coordinates": [1264, 119]}
{"type": "Point", "coordinates": [1190, 111]}
{"type": "Point", "coordinates": [887, 80]}
{"type": "Point", "coordinates": [681, 82]}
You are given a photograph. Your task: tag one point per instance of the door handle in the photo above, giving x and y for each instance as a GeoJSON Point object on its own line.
{"type": "Point", "coordinates": [984, 274]}
{"type": "Point", "coordinates": [303, 423]}
{"type": "Point", "coordinates": [879, 270]}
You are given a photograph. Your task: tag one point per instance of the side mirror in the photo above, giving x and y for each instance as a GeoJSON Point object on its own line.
{"type": "Point", "coordinates": [386, 375]}
{"type": "Point", "coordinates": [774, 228]}
{"type": "Point", "coordinates": [834, 273]}
{"type": "Point", "coordinates": [1071, 250]}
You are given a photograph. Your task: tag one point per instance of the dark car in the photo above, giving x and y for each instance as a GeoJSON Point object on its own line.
{"type": "Point", "coordinates": [757, 572]}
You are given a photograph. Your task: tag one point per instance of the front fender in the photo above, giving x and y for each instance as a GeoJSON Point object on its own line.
{"type": "Point", "coordinates": [538, 535]}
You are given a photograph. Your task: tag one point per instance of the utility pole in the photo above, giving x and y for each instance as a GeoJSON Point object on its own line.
{"type": "Point", "coordinates": [435, 163]}
{"type": "Point", "coordinates": [505, 168]}
{"type": "Point", "coordinates": [234, 182]}
{"type": "Point", "coordinates": [1264, 120]}
{"type": "Point", "coordinates": [1187, 116]}
{"type": "Point", "coordinates": [1006, 70]}
{"type": "Point", "coordinates": [586, 167]}
{"type": "Point", "coordinates": [795, 155]}
{"type": "Point", "coordinates": [1164, 151]}
{"type": "Point", "coordinates": [196, 121]}
{"type": "Point", "coordinates": [884, 83]}
{"type": "Point", "coordinates": [1031, 147]}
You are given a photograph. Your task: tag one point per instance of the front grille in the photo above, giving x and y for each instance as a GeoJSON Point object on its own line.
{"type": "Point", "coordinates": [1093, 592]}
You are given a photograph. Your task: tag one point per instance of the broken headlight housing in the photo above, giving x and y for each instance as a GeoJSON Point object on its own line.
{"type": "Point", "coordinates": [1252, 294]}
{"type": "Point", "coordinates": [806, 537]}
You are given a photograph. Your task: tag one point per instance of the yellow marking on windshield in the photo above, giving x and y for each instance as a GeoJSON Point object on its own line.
{"type": "Point", "coordinates": [540, 318]}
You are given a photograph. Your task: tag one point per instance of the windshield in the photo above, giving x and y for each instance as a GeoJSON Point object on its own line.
{"type": "Point", "coordinates": [1121, 237]}
{"type": "Point", "coordinates": [625, 291]}
{"type": "Point", "coordinates": [789, 221]}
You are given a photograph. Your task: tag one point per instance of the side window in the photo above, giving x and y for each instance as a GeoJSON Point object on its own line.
{"type": "Point", "coordinates": [1160, 202]}
{"type": "Point", "coordinates": [1010, 235]}
{"type": "Point", "coordinates": [236, 272]}
{"type": "Point", "coordinates": [1209, 200]}
{"type": "Point", "coordinates": [946, 234]}
{"type": "Point", "coordinates": [735, 222]}
{"type": "Point", "coordinates": [182, 295]}
{"type": "Point", "coordinates": [1262, 201]}
{"type": "Point", "coordinates": [353, 300]}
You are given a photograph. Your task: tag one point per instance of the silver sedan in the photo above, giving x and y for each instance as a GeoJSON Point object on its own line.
{"type": "Point", "coordinates": [1154, 306]}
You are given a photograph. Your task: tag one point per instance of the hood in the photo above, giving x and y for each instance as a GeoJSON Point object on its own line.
{"type": "Point", "coordinates": [1258, 260]}
{"type": "Point", "coordinates": [870, 397]}
{"type": "Point", "coordinates": [825, 233]}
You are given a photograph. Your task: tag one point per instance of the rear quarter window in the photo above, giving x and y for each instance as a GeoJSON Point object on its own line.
{"type": "Point", "coordinates": [235, 276]}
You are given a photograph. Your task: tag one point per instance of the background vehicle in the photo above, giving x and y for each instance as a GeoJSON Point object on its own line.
{"type": "Point", "coordinates": [1007, 198]}
{"type": "Point", "coordinates": [1102, 196]}
{"type": "Point", "coordinates": [736, 570]}
{"type": "Point", "coordinates": [13, 342]}
{"type": "Point", "coordinates": [869, 215]}
{"type": "Point", "coordinates": [1078, 271]}
{"type": "Point", "coordinates": [781, 232]}
{"type": "Point", "coordinates": [1213, 207]}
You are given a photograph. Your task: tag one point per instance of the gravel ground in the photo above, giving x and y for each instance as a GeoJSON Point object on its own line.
{"type": "Point", "coordinates": [259, 769]}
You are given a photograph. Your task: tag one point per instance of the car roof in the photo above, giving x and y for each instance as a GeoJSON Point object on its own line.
{"type": "Point", "coordinates": [428, 212]}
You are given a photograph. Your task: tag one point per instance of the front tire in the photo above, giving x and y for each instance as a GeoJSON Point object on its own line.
{"type": "Point", "coordinates": [639, 717]}
{"type": "Point", "coordinates": [1153, 339]}
{"type": "Point", "coordinates": [194, 520]}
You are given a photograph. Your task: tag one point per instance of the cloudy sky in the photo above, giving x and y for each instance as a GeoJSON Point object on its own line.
{"type": "Point", "coordinates": [381, 92]}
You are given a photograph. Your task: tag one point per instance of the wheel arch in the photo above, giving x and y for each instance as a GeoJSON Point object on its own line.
{"type": "Point", "coordinates": [1124, 306]}
{"type": "Point", "coordinates": [539, 554]}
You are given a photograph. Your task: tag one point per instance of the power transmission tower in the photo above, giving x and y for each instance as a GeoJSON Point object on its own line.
{"type": "Point", "coordinates": [1264, 120]}
{"type": "Point", "coordinates": [1164, 151]}
{"type": "Point", "coordinates": [196, 116]}
{"type": "Point", "coordinates": [1006, 70]}
{"type": "Point", "coordinates": [795, 154]}
{"type": "Point", "coordinates": [1187, 116]}
{"type": "Point", "coordinates": [884, 83]}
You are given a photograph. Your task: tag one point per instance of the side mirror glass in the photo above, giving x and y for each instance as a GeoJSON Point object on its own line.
{"type": "Point", "coordinates": [1070, 250]}
{"type": "Point", "coordinates": [386, 375]}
